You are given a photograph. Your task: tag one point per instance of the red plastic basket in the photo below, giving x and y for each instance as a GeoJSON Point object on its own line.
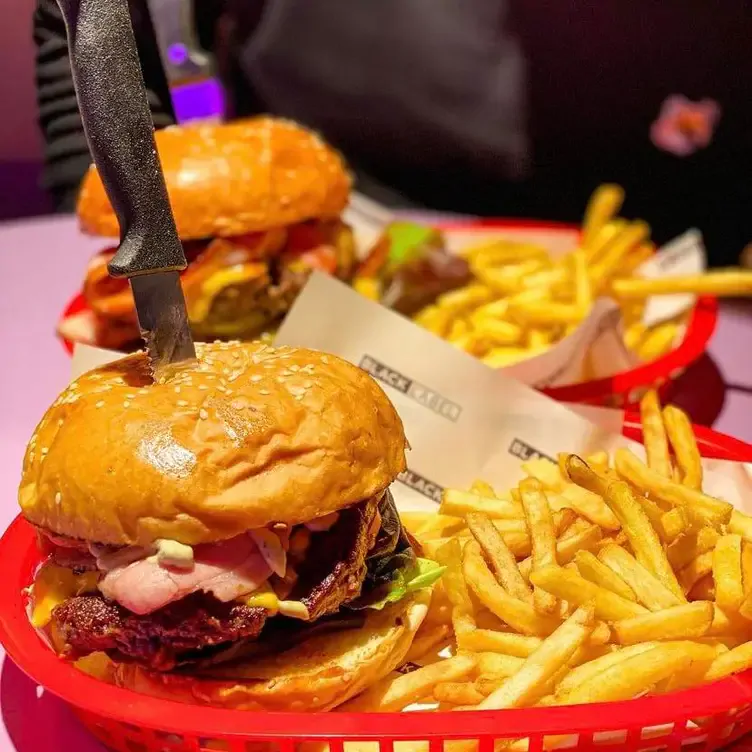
{"type": "Point", "coordinates": [704, 718]}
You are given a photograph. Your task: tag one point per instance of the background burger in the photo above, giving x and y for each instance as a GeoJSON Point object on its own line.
{"type": "Point", "coordinates": [228, 536]}
{"type": "Point", "coordinates": [257, 205]}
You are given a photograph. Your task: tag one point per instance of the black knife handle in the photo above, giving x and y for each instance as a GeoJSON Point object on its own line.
{"type": "Point", "coordinates": [118, 126]}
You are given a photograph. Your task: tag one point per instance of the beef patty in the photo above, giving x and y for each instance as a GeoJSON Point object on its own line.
{"type": "Point", "coordinates": [187, 630]}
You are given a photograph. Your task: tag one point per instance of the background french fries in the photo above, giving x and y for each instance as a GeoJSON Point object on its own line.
{"type": "Point", "coordinates": [522, 300]}
{"type": "Point", "coordinates": [594, 580]}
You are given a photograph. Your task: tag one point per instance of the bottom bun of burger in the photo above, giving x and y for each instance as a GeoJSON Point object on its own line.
{"type": "Point", "coordinates": [315, 675]}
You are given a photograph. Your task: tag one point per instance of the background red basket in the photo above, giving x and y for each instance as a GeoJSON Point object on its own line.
{"type": "Point", "coordinates": [620, 390]}
{"type": "Point", "coordinates": [704, 718]}
{"type": "Point", "coordinates": [625, 388]}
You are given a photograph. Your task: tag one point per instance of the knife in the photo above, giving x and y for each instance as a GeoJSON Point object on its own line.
{"type": "Point", "coordinates": [117, 122]}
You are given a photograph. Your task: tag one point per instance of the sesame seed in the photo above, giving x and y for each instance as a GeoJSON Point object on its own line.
{"type": "Point", "coordinates": [203, 387]}
{"type": "Point", "coordinates": [126, 404]}
{"type": "Point", "coordinates": [263, 391]}
{"type": "Point", "coordinates": [100, 403]}
{"type": "Point", "coordinates": [280, 380]}
{"type": "Point", "coordinates": [203, 414]}
{"type": "Point", "coordinates": [294, 368]}
{"type": "Point", "coordinates": [296, 390]}
{"type": "Point", "coordinates": [182, 403]}
{"type": "Point", "coordinates": [131, 396]}
{"type": "Point", "coordinates": [45, 450]}
{"type": "Point", "coordinates": [220, 388]}
{"type": "Point", "coordinates": [177, 390]}
{"type": "Point", "coordinates": [307, 384]}
{"type": "Point", "coordinates": [60, 422]}
{"type": "Point", "coordinates": [256, 378]}
{"type": "Point", "coordinates": [58, 497]}
{"type": "Point", "coordinates": [324, 359]}
{"type": "Point", "coordinates": [298, 397]}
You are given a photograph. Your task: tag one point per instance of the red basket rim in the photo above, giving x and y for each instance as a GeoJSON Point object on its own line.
{"type": "Point", "coordinates": [25, 647]}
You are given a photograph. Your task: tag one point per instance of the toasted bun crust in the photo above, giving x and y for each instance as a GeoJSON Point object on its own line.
{"type": "Point", "coordinates": [223, 180]}
{"type": "Point", "coordinates": [249, 436]}
{"type": "Point", "coordinates": [316, 675]}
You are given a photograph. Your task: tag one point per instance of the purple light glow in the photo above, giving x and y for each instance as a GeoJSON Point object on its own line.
{"type": "Point", "coordinates": [177, 53]}
{"type": "Point", "coordinates": [200, 100]}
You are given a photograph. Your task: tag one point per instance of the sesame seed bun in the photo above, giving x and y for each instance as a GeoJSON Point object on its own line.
{"type": "Point", "coordinates": [247, 436]}
{"type": "Point", "coordinates": [316, 675]}
{"type": "Point", "coordinates": [235, 178]}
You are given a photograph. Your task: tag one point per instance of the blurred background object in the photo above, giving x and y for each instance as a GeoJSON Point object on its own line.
{"type": "Point", "coordinates": [489, 107]}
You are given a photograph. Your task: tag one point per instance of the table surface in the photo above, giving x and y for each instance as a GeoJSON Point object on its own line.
{"type": "Point", "coordinates": [41, 266]}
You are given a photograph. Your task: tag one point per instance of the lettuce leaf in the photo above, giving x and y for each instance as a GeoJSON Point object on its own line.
{"type": "Point", "coordinates": [421, 575]}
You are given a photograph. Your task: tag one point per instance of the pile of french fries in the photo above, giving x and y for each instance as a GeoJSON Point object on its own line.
{"type": "Point", "coordinates": [522, 300]}
{"type": "Point", "coordinates": [597, 579]}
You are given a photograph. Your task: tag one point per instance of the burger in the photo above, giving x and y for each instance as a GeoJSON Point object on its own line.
{"type": "Point", "coordinates": [226, 536]}
{"type": "Point", "coordinates": [257, 205]}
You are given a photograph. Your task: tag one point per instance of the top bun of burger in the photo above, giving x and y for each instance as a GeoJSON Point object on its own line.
{"type": "Point", "coordinates": [231, 179]}
{"type": "Point", "coordinates": [248, 436]}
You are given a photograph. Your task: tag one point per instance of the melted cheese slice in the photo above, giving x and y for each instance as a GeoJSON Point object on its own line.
{"type": "Point", "coordinates": [54, 585]}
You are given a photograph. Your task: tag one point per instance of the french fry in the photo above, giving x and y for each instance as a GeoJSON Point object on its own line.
{"type": "Point", "coordinates": [630, 677]}
{"type": "Point", "coordinates": [631, 469]}
{"type": "Point", "coordinates": [450, 556]}
{"type": "Point", "coordinates": [745, 610]}
{"type": "Point", "coordinates": [531, 681]}
{"type": "Point", "coordinates": [682, 438]}
{"type": "Point", "coordinates": [541, 530]}
{"type": "Point", "coordinates": [684, 622]}
{"type": "Point", "coordinates": [727, 572]}
{"type": "Point", "coordinates": [497, 552]}
{"type": "Point", "coordinates": [441, 526]}
{"type": "Point", "coordinates": [657, 341]}
{"type": "Point", "coordinates": [573, 588]}
{"type": "Point", "coordinates": [585, 538]}
{"type": "Point", "coordinates": [696, 570]}
{"type": "Point", "coordinates": [654, 435]}
{"type": "Point", "coordinates": [492, 641]}
{"type": "Point", "coordinates": [587, 671]}
{"type": "Point", "coordinates": [594, 570]}
{"type": "Point", "coordinates": [605, 202]}
{"type": "Point", "coordinates": [703, 589]}
{"type": "Point", "coordinates": [546, 472]}
{"type": "Point", "coordinates": [670, 524]}
{"type": "Point", "coordinates": [397, 692]}
{"type": "Point", "coordinates": [498, 664]}
{"type": "Point", "coordinates": [519, 615]}
{"type": "Point", "coordinates": [641, 535]}
{"type": "Point", "coordinates": [579, 472]}
{"type": "Point", "coordinates": [481, 488]}
{"type": "Point", "coordinates": [721, 283]}
{"type": "Point", "coordinates": [462, 503]}
{"type": "Point", "coordinates": [652, 593]}
{"type": "Point", "coordinates": [427, 640]}
{"type": "Point", "coordinates": [689, 547]}
{"type": "Point", "coordinates": [590, 506]}
{"type": "Point", "coordinates": [583, 294]}
{"type": "Point", "coordinates": [741, 524]}
{"type": "Point", "coordinates": [733, 662]}
{"type": "Point", "coordinates": [457, 693]}
{"type": "Point", "coordinates": [631, 237]}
